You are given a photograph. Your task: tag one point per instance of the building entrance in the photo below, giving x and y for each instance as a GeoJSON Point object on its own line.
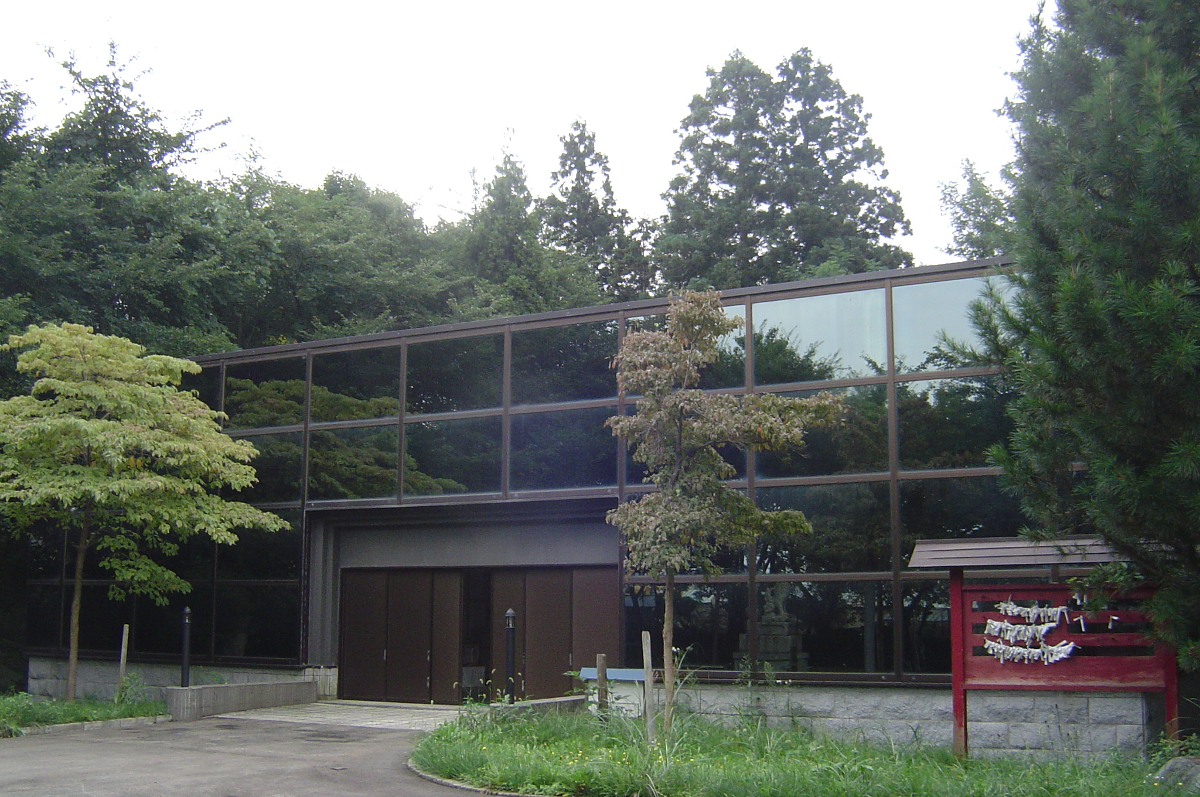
{"type": "Point", "coordinates": [438, 634]}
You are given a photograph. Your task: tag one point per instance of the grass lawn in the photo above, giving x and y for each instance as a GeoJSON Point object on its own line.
{"type": "Point", "coordinates": [20, 710]}
{"type": "Point", "coordinates": [580, 754]}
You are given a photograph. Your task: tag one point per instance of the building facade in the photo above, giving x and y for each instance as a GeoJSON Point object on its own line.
{"type": "Point", "coordinates": [437, 478]}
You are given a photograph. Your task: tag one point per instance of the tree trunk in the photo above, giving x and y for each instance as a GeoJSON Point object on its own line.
{"type": "Point", "coordinates": [668, 636]}
{"type": "Point", "coordinates": [76, 600]}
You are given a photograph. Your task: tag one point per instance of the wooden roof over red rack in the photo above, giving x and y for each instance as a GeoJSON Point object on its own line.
{"type": "Point", "coordinates": [997, 552]}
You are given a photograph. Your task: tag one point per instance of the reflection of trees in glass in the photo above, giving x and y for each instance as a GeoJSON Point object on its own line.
{"type": "Point", "coordinates": [564, 363]}
{"type": "Point", "coordinates": [454, 456]}
{"type": "Point", "coordinates": [343, 463]}
{"type": "Point", "coordinates": [563, 449]}
{"type": "Point", "coordinates": [276, 402]}
{"type": "Point", "coordinates": [845, 626]}
{"type": "Point", "coordinates": [926, 614]}
{"type": "Point", "coordinates": [858, 445]}
{"type": "Point", "coordinates": [710, 621]}
{"type": "Point", "coordinates": [278, 468]}
{"type": "Point", "coordinates": [779, 359]}
{"type": "Point", "coordinates": [257, 621]}
{"type": "Point", "coordinates": [954, 508]}
{"type": "Point", "coordinates": [259, 555]}
{"type": "Point", "coordinates": [850, 525]}
{"type": "Point", "coordinates": [370, 379]}
{"type": "Point", "coordinates": [951, 423]}
{"type": "Point", "coordinates": [353, 463]}
{"type": "Point", "coordinates": [459, 374]}
{"type": "Point", "coordinates": [281, 403]}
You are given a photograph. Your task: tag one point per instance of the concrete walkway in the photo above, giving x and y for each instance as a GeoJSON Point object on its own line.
{"type": "Point", "coordinates": [326, 749]}
{"type": "Point", "coordinates": [356, 714]}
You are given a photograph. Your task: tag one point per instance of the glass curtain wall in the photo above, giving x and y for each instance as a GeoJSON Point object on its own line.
{"type": "Point", "coordinates": [513, 409]}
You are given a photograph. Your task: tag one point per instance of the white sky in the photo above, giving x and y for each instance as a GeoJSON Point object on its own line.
{"type": "Point", "coordinates": [412, 97]}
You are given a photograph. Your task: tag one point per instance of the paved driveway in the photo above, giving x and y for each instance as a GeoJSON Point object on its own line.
{"type": "Point", "coordinates": [323, 750]}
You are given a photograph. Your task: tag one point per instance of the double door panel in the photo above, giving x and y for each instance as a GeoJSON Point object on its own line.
{"type": "Point", "coordinates": [402, 630]}
{"type": "Point", "coordinates": [400, 635]}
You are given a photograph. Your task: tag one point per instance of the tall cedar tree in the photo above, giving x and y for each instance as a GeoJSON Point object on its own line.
{"type": "Point", "coordinates": [779, 181]}
{"type": "Point", "coordinates": [106, 448]}
{"type": "Point", "coordinates": [678, 432]}
{"type": "Point", "coordinates": [1106, 331]}
{"type": "Point", "coordinates": [582, 217]}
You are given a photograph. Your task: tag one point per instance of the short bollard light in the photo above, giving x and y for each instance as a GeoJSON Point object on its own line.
{"type": "Point", "coordinates": [185, 674]}
{"type": "Point", "coordinates": [510, 658]}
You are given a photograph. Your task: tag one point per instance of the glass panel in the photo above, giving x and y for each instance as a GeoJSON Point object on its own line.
{"type": "Point", "coordinates": [207, 385]}
{"type": "Point", "coordinates": [924, 313]}
{"type": "Point", "coordinates": [356, 385]}
{"type": "Point", "coordinates": [836, 336]}
{"type": "Point", "coordinates": [100, 618]}
{"type": "Point", "coordinates": [278, 468]}
{"type": "Point", "coordinates": [353, 463]}
{"type": "Point", "coordinates": [263, 554]}
{"type": "Point", "coordinates": [643, 612]}
{"type": "Point", "coordinates": [45, 612]}
{"type": "Point", "coordinates": [261, 621]}
{"type": "Point", "coordinates": [566, 363]}
{"type": "Point", "coordinates": [927, 626]}
{"type": "Point", "coordinates": [43, 551]}
{"type": "Point", "coordinates": [452, 457]}
{"type": "Point", "coordinates": [563, 449]}
{"type": "Point", "coordinates": [159, 629]}
{"type": "Point", "coordinates": [261, 395]}
{"type": "Point", "coordinates": [950, 423]}
{"type": "Point", "coordinates": [194, 561]}
{"type": "Point", "coordinates": [952, 508]}
{"type": "Point", "coordinates": [850, 529]}
{"type": "Point", "coordinates": [827, 626]}
{"type": "Point", "coordinates": [460, 374]}
{"type": "Point", "coordinates": [729, 369]}
{"type": "Point", "coordinates": [859, 445]}
{"type": "Point", "coordinates": [710, 625]}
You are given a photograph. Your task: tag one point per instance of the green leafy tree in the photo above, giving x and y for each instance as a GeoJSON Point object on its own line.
{"type": "Point", "coordinates": [678, 433]}
{"type": "Point", "coordinates": [106, 447]}
{"type": "Point", "coordinates": [582, 218]}
{"type": "Point", "coordinates": [980, 214]}
{"type": "Point", "coordinates": [779, 181]}
{"type": "Point", "coordinates": [1103, 340]}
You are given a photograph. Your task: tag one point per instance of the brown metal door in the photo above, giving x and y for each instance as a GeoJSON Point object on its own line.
{"type": "Point", "coordinates": [410, 609]}
{"type": "Point", "coordinates": [362, 669]}
{"type": "Point", "coordinates": [446, 644]}
{"type": "Point", "coordinates": [508, 592]}
{"type": "Point", "coordinates": [547, 632]}
{"type": "Point", "coordinates": [595, 614]}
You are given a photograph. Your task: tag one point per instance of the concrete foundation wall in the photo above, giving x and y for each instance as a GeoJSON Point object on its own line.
{"type": "Point", "coordinates": [1075, 722]}
{"type": "Point", "coordinates": [998, 722]}
{"type": "Point", "coordinates": [185, 704]}
{"type": "Point", "coordinates": [48, 677]}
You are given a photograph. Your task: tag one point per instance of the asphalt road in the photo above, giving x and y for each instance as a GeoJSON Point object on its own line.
{"type": "Point", "coordinates": [216, 757]}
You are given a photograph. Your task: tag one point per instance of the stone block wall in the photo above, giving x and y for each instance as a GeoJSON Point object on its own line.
{"type": "Point", "coordinates": [997, 722]}
{"type": "Point", "coordinates": [1074, 722]}
{"type": "Point", "coordinates": [48, 677]}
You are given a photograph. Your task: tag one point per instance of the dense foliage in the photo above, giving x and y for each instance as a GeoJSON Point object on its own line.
{"type": "Point", "coordinates": [107, 448]}
{"type": "Point", "coordinates": [98, 225]}
{"type": "Point", "coordinates": [1103, 342]}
